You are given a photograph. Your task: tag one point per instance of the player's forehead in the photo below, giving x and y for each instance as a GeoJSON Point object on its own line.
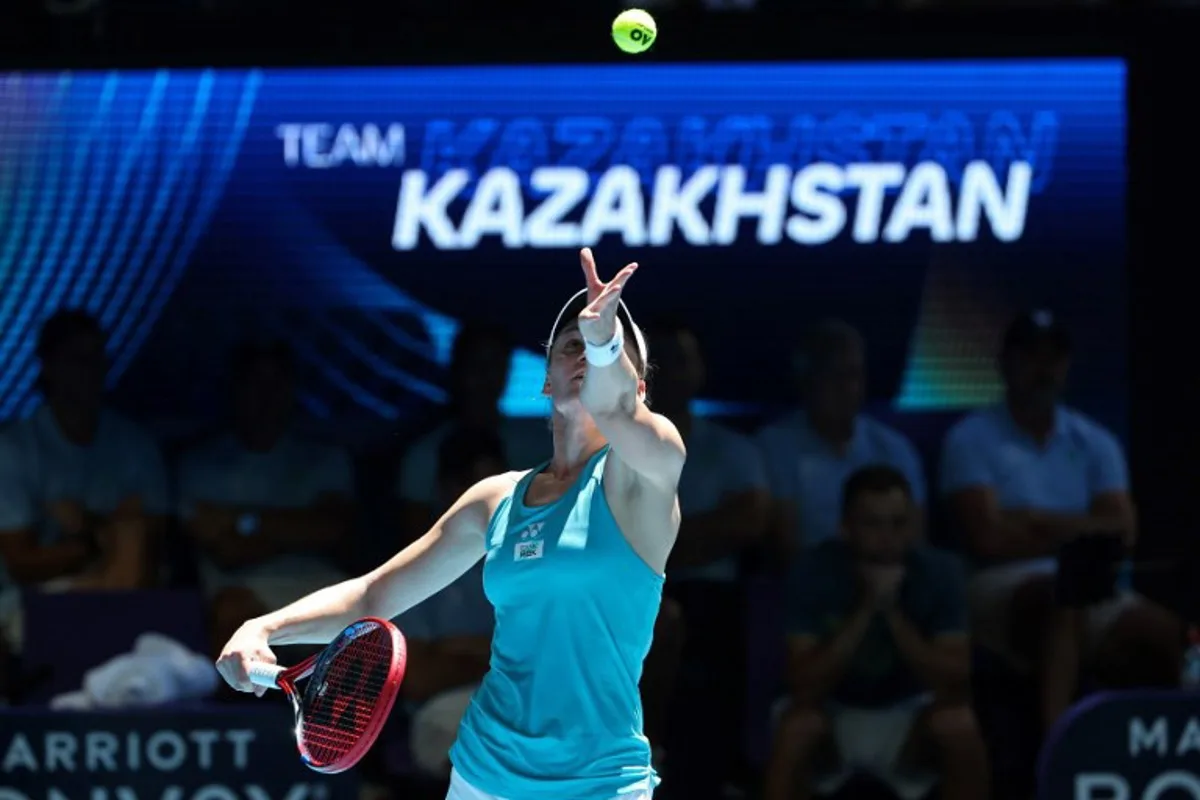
{"type": "Point", "coordinates": [566, 332]}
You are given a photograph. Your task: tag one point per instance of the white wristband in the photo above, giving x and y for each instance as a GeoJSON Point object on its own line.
{"type": "Point", "coordinates": [601, 355]}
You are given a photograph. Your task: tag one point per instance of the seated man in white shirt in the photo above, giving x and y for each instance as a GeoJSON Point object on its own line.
{"type": "Point", "coordinates": [811, 452]}
{"type": "Point", "coordinates": [1025, 479]}
{"type": "Point", "coordinates": [450, 634]}
{"type": "Point", "coordinates": [267, 509]}
{"type": "Point", "coordinates": [83, 491]}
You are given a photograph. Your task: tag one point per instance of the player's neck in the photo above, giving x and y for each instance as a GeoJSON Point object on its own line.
{"type": "Point", "coordinates": [575, 441]}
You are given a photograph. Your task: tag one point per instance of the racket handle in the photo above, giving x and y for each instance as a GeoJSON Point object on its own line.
{"type": "Point", "coordinates": [263, 674]}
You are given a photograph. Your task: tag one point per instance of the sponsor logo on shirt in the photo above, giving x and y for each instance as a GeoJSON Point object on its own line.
{"type": "Point", "coordinates": [529, 546]}
{"type": "Point", "coordinates": [527, 551]}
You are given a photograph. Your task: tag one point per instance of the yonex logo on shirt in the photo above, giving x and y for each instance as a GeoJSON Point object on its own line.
{"type": "Point", "coordinates": [532, 531]}
{"type": "Point", "coordinates": [528, 545]}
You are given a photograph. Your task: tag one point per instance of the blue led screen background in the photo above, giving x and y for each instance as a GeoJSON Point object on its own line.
{"type": "Point", "coordinates": [365, 213]}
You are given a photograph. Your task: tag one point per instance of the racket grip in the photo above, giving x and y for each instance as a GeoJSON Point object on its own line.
{"type": "Point", "coordinates": [263, 674]}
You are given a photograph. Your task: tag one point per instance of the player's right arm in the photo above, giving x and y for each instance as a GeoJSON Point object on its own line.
{"type": "Point", "coordinates": [450, 548]}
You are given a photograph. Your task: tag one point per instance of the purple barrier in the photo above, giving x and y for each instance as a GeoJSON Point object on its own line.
{"type": "Point", "coordinates": [101, 625]}
{"type": "Point", "coordinates": [1124, 746]}
{"type": "Point", "coordinates": [217, 753]}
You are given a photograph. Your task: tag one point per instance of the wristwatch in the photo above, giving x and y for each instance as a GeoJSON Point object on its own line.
{"type": "Point", "coordinates": [247, 524]}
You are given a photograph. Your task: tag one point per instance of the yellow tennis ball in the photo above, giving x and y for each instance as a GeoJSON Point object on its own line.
{"type": "Point", "coordinates": [634, 31]}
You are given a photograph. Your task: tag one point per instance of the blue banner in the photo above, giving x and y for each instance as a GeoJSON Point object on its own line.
{"type": "Point", "coordinates": [162, 754]}
{"type": "Point", "coordinates": [367, 212]}
{"type": "Point", "coordinates": [1126, 746]}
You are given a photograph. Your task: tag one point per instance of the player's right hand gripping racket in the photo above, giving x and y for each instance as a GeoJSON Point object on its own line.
{"type": "Point", "coordinates": [351, 687]}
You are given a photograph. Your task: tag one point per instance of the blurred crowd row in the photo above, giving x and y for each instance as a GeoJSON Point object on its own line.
{"type": "Point", "coordinates": [803, 593]}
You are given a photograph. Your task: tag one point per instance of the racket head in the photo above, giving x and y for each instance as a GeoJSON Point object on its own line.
{"type": "Point", "coordinates": [351, 688]}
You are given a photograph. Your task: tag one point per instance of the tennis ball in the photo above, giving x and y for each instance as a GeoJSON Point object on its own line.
{"type": "Point", "coordinates": [634, 31]}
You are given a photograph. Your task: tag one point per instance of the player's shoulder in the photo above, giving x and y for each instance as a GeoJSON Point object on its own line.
{"type": "Point", "coordinates": [660, 472]}
{"type": "Point", "coordinates": [473, 511]}
{"type": "Point", "coordinates": [668, 431]}
{"type": "Point", "coordinates": [493, 489]}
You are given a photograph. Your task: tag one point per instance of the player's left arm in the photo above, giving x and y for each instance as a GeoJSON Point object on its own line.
{"type": "Point", "coordinates": [648, 443]}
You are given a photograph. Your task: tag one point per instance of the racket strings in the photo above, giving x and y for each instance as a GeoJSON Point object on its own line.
{"type": "Point", "coordinates": [340, 701]}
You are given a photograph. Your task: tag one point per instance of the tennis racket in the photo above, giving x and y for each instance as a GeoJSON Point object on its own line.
{"type": "Point", "coordinates": [351, 686]}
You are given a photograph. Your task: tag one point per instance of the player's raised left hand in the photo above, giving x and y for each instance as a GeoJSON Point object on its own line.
{"type": "Point", "coordinates": [598, 320]}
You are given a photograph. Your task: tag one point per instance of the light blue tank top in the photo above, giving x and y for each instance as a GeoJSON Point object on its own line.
{"type": "Point", "coordinates": [558, 715]}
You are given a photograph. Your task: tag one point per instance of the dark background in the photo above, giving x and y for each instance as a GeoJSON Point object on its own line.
{"type": "Point", "coordinates": [176, 208]}
{"type": "Point", "coordinates": [1163, 162]}
{"type": "Point", "coordinates": [1163, 158]}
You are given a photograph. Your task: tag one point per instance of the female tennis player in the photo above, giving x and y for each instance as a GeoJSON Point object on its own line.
{"type": "Point", "coordinates": [574, 557]}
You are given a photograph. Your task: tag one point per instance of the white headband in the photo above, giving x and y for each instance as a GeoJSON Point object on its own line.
{"type": "Point", "coordinates": [578, 302]}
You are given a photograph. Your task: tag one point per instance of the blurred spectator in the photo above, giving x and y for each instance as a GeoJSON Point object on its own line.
{"type": "Point", "coordinates": [83, 491]}
{"type": "Point", "coordinates": [450, 634]}
{"type": "Point", "coordinates": [267, 509]}
{"type": "Point", "coordinates": [479, 368]}
{"type": "Point", "coordinates": [810, 453]}
{"type": "Point", "coordinates": [1022, 480]}
{"type": "Point", "coordinates": [878, 658]}
{"type": "Point", "coordinates": [724, 500]}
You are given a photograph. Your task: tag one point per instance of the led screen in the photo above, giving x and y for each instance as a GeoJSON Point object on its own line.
{"type": "Point", "coordinates": [365, 213]}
